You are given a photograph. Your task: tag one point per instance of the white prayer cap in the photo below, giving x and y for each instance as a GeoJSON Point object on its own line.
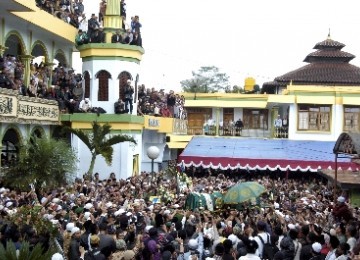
{"type": "Point", "coordinates": [88, 206]}
{"type": "Point", "coordinates": [70, 226]}
{"type": "Point", "coordinates": [74, 230]}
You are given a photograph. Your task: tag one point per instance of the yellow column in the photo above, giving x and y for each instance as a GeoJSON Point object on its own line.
{"type": "Point", "coordinates": [112, 19]}
{"type": "Point", "coordinates": [274, 113]}
{"type": "Point", "coordinates": [26, 60]}
{"type": "Point", "coordinates": [217, 121]}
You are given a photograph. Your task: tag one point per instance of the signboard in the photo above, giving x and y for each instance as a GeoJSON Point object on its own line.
{"type": "Point", "coordinates": [22, 109]}
{"type": "Point", "coordinates": [8, 105]}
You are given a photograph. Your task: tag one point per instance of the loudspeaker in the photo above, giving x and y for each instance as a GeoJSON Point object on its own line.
{"type": "Point", "coordinates": [167, 139]}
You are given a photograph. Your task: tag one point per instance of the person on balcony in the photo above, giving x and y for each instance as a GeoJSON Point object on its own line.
{"type": "Point", "coordinates": [156, 109]}
{"type": "Point", "coordinates": [278, 123]}
{"type": "Point", "coordinates": [119, 107]}
{"type": "Point", "coordinates": [81, 38]}
{"type": "Point", "coordinates": [239, 125]}
{"type": "Point", "coordinates": [165, 112]}
{"type": "Point", "coordinates": [85, 105]}
{"type": "Point", "coordinates": [116, 38]}
{"type": "Point", "coordinates": [129, 91]}
{"type": "Point", "coordinates": [93, 24]}
{"type": "Point", "coordinates": [98, 36]}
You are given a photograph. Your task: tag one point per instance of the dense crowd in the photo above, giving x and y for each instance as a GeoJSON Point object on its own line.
{"type": "Point", "coordinates": [158, 103]}
{"type": "Point", "coordinates": [145, 217]}
{"type": "Point", "coordinates": [70, 11]}
{"type": "Point", "coordinates": [66, 87]}
{"type": "Point", "coordinates": [44, 82]}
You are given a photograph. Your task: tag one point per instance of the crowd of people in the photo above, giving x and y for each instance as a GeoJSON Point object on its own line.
{"type": "Point", "coordinates": [158, 103]}
{"type": "Point", "coordinates": [61, 83]}
{"type": "Point", "coordinates": [91, 30]}
{"type": "Point", "coordinates": [70, 11]}
{"type": "Point", "coordinates": [144, 217]}
{"type": "Point", "coordinates": [66, 87]}
{"type": "Point", "coordinates": [152, 102]}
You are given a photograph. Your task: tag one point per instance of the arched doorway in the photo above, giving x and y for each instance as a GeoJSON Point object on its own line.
{"type": "Point", "coordinates": [60, 58]}
{"type": "Point", "coordinates": [14, 44]}
{"type": "Point", "coordinates": [10, 148]}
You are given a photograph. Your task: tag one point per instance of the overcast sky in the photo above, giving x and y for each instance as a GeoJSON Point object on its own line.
{"type": "Point", "coordinates": [255, 38]}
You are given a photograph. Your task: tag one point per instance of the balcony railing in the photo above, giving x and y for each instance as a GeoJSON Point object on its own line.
{"type": "Point", "coordinates": [238, 131]}
{"type": "Point", "coordinates": [281, 132]}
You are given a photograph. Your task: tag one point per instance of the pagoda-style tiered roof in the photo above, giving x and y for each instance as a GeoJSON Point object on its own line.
{"type": "Point", "coordinates": [329, 66]}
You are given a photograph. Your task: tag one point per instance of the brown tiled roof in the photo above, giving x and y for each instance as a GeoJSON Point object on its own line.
{"type": "Point", "coordinates": [328, 66]}
{"type": "Point", "coordinates": [329, 43]}
{"type": "Point", "coordinates": [329, 55]}
{"type": "Point", "coordinates": [329, 73]}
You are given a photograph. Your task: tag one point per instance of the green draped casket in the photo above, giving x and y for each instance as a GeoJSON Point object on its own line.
{"type": "Point", "coordinates": [208, 201]}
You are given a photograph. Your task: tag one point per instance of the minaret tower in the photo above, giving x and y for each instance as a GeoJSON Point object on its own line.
{"type": "Point", "coordinates": [106, 67]}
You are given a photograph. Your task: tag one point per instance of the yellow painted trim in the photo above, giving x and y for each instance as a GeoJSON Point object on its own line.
{"type": "Point", "coordinates": [50, 23]}
{"type": "Point", "coordinates": [339, 100]}
{"type": "Point", "coordinates": [29, 4]}
{"type": "Point", "coordinates": [221, 95]}
{"type": "Point", "coordinates": [162, 124]}
{"type": "Point", "coordinates": [113, 52]}
{"type": "Point", "coordinates": [176, 145]}
{"type": "Point", "coordinates": [114, 126]}
{"type": "Point", "coordinates": [328, 100]}
{"type": "Point", "coordinates": [320, 89]}
{"type": "Point", "coordinates": [284, 99]}
{"type": "Point", "coordinates": [312, 132]}
{"type": "Point", "coordinates": [226, 103]}
{"type": "Point", "coordinates": [180, 138]}
{"type": "Point", "coordinates": [351, 100]}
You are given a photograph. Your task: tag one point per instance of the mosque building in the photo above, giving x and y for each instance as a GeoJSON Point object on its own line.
{"type": "Point", "coordinates": [317, 102]}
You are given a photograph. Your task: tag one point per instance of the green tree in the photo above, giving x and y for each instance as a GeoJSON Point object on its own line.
{"type": "Point", "coordinates": [206, 80]}
{"type": "Point", "coordinates": [43, 162]}
{"type": "Point", "coordinates": [36, 253]}
{"type": "Point", "coordinates": [234, 89]}
{"type": "Point", "coordinates": [99, 141]}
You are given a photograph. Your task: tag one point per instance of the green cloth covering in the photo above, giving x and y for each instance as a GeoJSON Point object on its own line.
{"type": "Point", "coordinates": [79, 210]}
{"type": "Point", "coordinates": [196, 200]}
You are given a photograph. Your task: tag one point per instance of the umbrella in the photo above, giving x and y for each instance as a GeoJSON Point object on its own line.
{"type": "Point", "coordinates": [242, 192]}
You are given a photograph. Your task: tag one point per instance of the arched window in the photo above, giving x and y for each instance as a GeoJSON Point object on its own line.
{"type": "Point", "coordinates": [87, 84]}
{"type": "Point", "coordinates": [103, 94]}
{"type": "Point", "coordinates": [123, 77]}
{"type": "Point", "coordinates": [10, 148]}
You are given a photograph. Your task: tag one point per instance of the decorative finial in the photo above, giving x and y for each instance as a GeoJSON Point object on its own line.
{"type": "Point", "coordinates": [329, 35]}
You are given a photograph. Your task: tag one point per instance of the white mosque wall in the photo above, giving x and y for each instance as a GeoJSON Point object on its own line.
{"type": "Point", "coordinates": [122, 162]}
{"type": "Point", "coordinates": [153, 138]}
{"type": "Point", "coordinates": [114, 68]}
{"type": "Point", "coordinates": [336, 127]}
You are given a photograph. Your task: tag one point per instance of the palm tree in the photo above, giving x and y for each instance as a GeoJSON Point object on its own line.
{"type": "Point", "coordinates": [98, 142]}
{"type": "Point", "coordinates": [25, 252]}
{"type": "Point", "coordinates": [43, 162]}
